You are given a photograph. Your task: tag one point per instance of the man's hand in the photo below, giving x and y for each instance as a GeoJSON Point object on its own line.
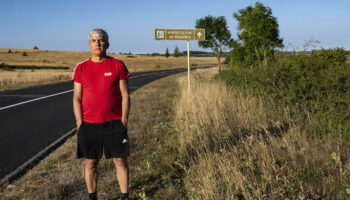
{"type": "Point", "coordinates": [77, 103]}
{"type": "Point", "coordinates": [125, 122]}
{"type": "Point", "coordinates": [124, 90]}
{"type": "Point", "coordinates": [78, 125]}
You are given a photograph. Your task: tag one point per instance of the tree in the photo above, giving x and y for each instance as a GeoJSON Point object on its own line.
{"type": "Point", "coordinates": [177, 52]}
{"type": "Point", "coordinates": [237, 55]}
{"type": "Point", "coordinates": [258, 30]}
{"type": "Point", "coordinates": [217, 35]}
{"type": "Point", "coordinates": [35, 47]}
{"type": "Point", "coordinates": [167, 53]}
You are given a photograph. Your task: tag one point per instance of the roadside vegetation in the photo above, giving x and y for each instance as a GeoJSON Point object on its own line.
{"type": "Point", "coordinates": [315, 86]}
{"type": "Point", "coordinates": [239, 146]}
{"type": "Point", "coordinates": [271, 125]}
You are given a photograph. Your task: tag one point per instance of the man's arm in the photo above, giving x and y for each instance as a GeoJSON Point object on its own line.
{"type": "Point", "coordinates": [123, 85]}
{"type": "Point", "coordinates": [77, 103]}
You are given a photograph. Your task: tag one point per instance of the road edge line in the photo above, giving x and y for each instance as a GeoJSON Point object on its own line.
{"type": "Point", "coordinates": [21, 170]}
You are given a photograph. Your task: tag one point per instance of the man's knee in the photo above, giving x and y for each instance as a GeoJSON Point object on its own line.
{"type": "Point", "coordinates": [91, 165]}
{"type": "Point", "coordinates": [120, 162]}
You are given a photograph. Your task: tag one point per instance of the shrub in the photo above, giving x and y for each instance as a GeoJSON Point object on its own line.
{"type": "Point", "coordinates": [236, 56]}
{"type": "Point", "coordinates": [6, 67]}
{"type": "Point", "coordinates": [9, 51]}
{"type": "Point", "coordinates": [317, 83]}
{"type": "Point", "coordinates": [335, 56]}
{"type": "Point", "coordinates": [24, 54]}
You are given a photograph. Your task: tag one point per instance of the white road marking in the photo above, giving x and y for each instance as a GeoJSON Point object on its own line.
{"type": "Point", "coordinates": [24, 102]}
{"type": "Point", "coordinates": [21, 95]}
{"type": "Point", "coordinates": [156, 73]}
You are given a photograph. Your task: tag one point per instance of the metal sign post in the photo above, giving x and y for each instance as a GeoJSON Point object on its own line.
{"type": "Point", "coordinates": [188, 65]}
{"type": "Point", "coordinates": [181, 34]}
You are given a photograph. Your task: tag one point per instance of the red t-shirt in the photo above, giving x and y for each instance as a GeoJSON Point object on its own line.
{"type": "Point", "coordinates": [101, 97]}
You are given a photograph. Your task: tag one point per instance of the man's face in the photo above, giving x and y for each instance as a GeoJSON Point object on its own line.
{"type": "Point", "coordinates": [98, 45]}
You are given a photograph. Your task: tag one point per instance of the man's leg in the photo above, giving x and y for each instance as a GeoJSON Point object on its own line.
{"type": "Point", "coordinates": [91, 174]}
{"type": "Point", "coordinates": [122, 173]}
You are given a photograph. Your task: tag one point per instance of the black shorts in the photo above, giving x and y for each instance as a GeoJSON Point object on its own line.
{"type": "Point", "coordinates": [110, 138]}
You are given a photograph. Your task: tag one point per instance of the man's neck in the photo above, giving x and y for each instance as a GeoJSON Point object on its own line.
{"type": "Point", "coordinates": [98, 58]}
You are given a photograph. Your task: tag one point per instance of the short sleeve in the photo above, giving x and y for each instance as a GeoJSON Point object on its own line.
{"type": "Point", "coordinates": [124, 73]}
{"type": "Point", "coordinates": [77, 74]}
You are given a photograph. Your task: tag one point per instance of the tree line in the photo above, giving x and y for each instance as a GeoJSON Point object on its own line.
{"type": "Point", "coordinates": [258, 36]}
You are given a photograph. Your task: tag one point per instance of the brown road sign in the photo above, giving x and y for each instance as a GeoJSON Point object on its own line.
{"type": "Point", "coordinates": [179, 34]}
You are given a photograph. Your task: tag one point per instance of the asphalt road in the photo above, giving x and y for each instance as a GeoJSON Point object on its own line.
{"type": "Point", "coordinates": [33, 118]}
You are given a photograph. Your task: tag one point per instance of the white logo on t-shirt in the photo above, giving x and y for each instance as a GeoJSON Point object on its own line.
{"type": "Point", "coordinates": [108, 74]}
{"type": "Point", "coordinates": [125, 140]}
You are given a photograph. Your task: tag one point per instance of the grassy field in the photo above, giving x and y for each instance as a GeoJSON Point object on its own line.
{"type": "Point", "coordinates": [23, 78]}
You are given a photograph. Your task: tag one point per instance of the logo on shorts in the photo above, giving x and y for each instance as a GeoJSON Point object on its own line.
{"type": "Point", "coordinates": [108, 74]}
{"type": "Point", "coordinates": [125, 141]}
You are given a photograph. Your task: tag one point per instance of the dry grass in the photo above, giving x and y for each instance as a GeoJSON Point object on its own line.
{"type": "Point", "coordinates": [60, 175]}
{"type": "Point", "coordinates": [239, 147]}
{"type": "Point", "coordinates": [42, 57]}
{"type": "Point", "coordinates": [24, 78]}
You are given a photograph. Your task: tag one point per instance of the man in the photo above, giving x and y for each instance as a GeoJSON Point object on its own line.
{"type": "Point", "coordinates": [101, 109]}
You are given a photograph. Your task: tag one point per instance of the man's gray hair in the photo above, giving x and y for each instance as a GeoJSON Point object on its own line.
{"type": "Point", "coordinates": [99, 32]}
